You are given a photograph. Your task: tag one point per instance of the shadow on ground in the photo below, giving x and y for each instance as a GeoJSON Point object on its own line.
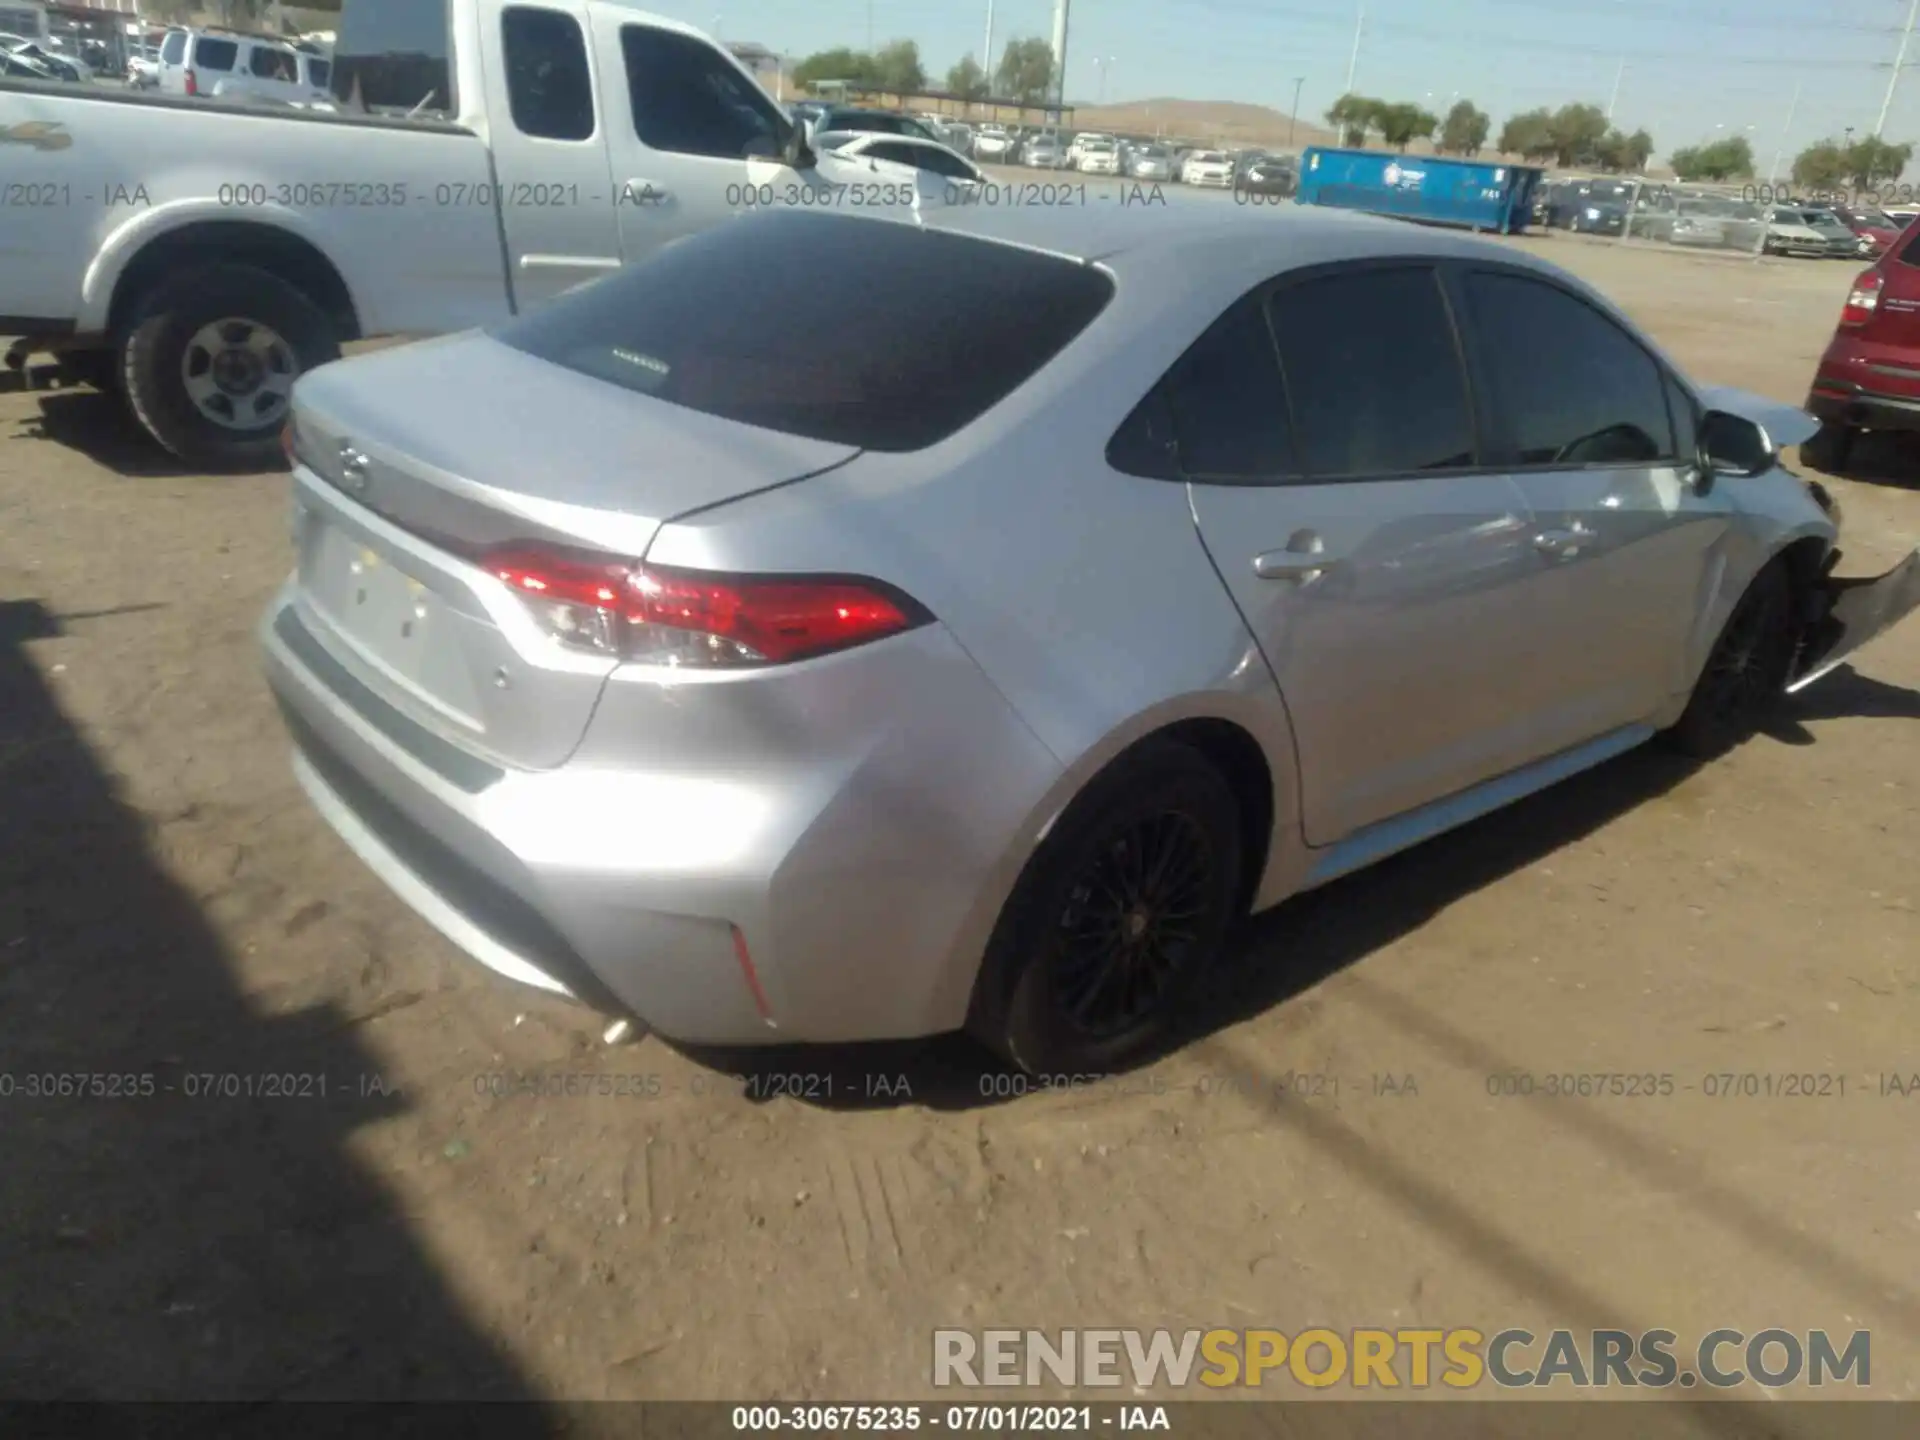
{"type": "Point", "coordinates": [167, 1235]}
{"type": "Point", "coordinates": [1878, 457]}
{"type": "Point", "coordinates": [104, 430]}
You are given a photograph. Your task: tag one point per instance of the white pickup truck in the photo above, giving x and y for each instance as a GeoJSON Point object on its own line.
{"type": "Point", "coordinates": [482, 156]}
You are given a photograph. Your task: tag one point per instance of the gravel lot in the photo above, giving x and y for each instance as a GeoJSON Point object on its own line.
{"type": "Point", "coordinates": [169, 907]}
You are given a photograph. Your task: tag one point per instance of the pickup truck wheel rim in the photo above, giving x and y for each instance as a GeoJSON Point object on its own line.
{"type": "Point", "coordinates": [239, 373]}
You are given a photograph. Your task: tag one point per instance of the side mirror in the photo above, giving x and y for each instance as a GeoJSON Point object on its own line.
{"type": "Point", "coordinates": [1734, 446]}
{"type": "Point", "coordinates": [796, 152]}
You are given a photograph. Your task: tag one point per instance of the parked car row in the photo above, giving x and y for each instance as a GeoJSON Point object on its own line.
{"type": "Point", "coordinates": [1087, 153]}
{"type": "Point", "coordinates": [1703, 219]}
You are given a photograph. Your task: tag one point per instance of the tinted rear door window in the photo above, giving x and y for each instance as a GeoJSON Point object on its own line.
{"type": "Point", "coordinates": [549, 83]}
{"type": "Point", "coordinates": [863, 332]}
{"type": "Point", "coordinates": [174, 48]}
{"type": "Point", "coordinates": [1228, 407]}
{"type": "Point", "coordinates": [1374, 374]}
{"type": "Point", "coordinates": [214, 54]}
{"type": "Point", "coordinates": [1566, 385]}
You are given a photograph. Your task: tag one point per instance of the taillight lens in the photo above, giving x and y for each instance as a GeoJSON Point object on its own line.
{"type": "Point", "coordinates": [193, 83]}
{"type": "Point", "coordinates": [1864, 299]}
{"type": "Point", "coordinates": [649, 615]}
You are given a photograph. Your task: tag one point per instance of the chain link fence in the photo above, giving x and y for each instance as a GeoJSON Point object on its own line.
{"type": "Point", "coordinates": [1738, 220]}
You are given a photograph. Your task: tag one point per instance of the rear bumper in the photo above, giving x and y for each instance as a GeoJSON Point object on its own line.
{"type": "Point", "coordinates": [1838, 402]}
{"type": "Point", "coordinates": [858, 866]}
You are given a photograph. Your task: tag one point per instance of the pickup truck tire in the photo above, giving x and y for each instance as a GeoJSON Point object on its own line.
{"type": "Point", "coordinates": [210, 357]}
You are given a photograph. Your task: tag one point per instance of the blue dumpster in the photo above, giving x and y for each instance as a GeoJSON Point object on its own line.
{"type": "Point", "coordinates": [1436, 189]}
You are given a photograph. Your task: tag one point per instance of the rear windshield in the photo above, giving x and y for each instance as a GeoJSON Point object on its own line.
{"type": "Point", "coordinates": [866, 332]}
{"type": "Point", "coordinates": [320, 72]}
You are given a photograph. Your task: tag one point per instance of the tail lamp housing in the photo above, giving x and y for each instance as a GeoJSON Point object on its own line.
{"type": "Point", "coordinates": [696, 619]}
{"type": "Point", "coordinates": [1864, 299]}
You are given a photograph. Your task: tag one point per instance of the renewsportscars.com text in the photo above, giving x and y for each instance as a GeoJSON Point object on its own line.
{"type": "Point", "coordinates": [1387, 1359]}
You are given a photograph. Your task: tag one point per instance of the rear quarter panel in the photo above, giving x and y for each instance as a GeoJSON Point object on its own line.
{"type": "Point", "coordinates": [1084, 594]}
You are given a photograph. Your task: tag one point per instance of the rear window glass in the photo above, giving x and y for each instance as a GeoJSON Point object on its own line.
{"type": "Point", "coordinates": [174, 48]}
{"type": "Point", "coordinates": [864, 332]}
{"type": "Point", "coordinates": [391, 56]}
{"type": "Point", "coordinates": [321, 72]}
{"type": "Point", "coordinates": [1909, 243]}
{"type": "Point", "coordinates": [215, 54]}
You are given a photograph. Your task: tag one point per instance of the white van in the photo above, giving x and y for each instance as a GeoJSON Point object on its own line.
{"type": "Point", "coordinates": [221, 64]}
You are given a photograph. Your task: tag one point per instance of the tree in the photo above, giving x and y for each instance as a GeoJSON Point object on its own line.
{"type": "Point", "coordinates": [1464, 131]}
{"type": "Point", "coordinates": [1823, 165]}
{"type": "Point", "coordinates": [840, 64]}
{"type": "Point", "coordinates": [1528, 134]}
{"type": "Point", "coordinates": [967, 79]}
{"type": "Point", "coordinates": [1401, 124]}
{"type": "Point", "coordinates": [1354, 116]}
{"type": "Point", "coordinates": [1577, 131]}
{"type": "Point", "coordinates": [1624, 152]}
{"type": "Point", "coordinates": [1025, 72]}
{"type": "Point", "coordinates": [898, 64]}
{"type": "Point", "coordinates": [1871, 161]}
{"type": "Point", "coordinates": [1727, 159]}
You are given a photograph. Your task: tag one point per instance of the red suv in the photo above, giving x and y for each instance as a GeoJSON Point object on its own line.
{"type": "Point", "coordinates": [1869, 379]}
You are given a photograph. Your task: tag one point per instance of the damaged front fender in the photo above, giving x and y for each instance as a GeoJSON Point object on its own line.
{"type": "Point", "coordinates": [1854, 612]}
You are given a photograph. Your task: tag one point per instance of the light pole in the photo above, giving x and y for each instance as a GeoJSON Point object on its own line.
{"type": "Point", "coordinates": [1293, 117]}
{"type": "Point", "coordinates": [1103, 66]}
{"type": "Point", "coordinates": [1353, 61]}
{"type": "Point", "coordinates": [1899, 60]}
{"type": "Point", "coordinates": [1786, 137]}
{"type": "Point", "coordinates": [1614, 100]}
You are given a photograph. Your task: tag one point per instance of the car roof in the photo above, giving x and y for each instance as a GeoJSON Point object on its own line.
{"type": "Point", "coordinates": [1182, 235]}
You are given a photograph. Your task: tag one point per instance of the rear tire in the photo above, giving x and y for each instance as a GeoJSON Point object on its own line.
{"type": "Point", "coordinates": [1118, 919]}
{"type": "Point", "coordinates": [1746, 673]}
{"type": "Point", "coordinates": [210, 360]}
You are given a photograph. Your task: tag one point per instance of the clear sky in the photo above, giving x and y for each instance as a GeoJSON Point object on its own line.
{"type": "Point", "coordinates": [1691, 65]}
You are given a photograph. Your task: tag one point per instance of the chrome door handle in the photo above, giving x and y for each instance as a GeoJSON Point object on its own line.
{"type": "Point", "coordinates": [1303, 561]}
{"type": "Point", "coordinates": [1564, 541]}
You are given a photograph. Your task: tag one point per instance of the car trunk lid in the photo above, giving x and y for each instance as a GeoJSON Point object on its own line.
{"type": "Point", "coordinates": [414, 463]}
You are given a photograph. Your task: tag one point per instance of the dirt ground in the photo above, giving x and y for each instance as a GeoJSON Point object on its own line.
{"type": "Point", "coordinates": [170, 908]}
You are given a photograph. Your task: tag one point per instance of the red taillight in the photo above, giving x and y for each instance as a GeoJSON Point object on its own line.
{"type": "Point", "coordinates": [1864, 299]}
{"type": "Point", "coordinates": [687, 617]}
{"type": "Point", "coordinates": [193, 83]}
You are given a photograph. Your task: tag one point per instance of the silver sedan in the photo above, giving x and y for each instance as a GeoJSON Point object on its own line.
{"type": "Point", "coordinates": [973, 634]}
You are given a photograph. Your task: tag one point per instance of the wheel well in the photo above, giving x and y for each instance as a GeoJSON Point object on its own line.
{"type": "Point", "coordinates": [1803, 561]}
{"type": "Point", "coordinates": [1239, 758]}
{"type": "Point", "coordinates": [263, 247]}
